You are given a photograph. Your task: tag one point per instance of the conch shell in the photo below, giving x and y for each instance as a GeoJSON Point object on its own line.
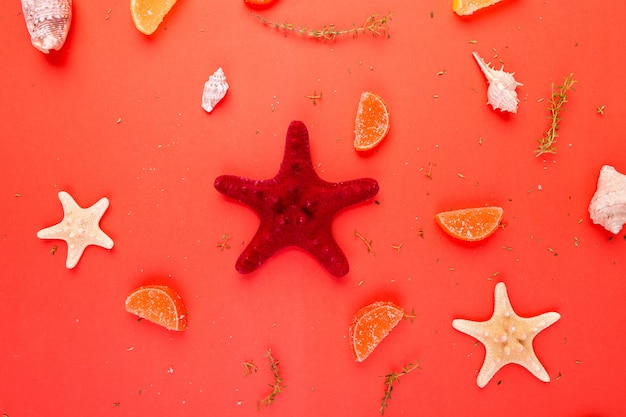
{"type": "Point", "coordinates": [501, 93]}
{"type": "Point", "coordinates": [214, 90]}
{"type": "Point", "coordinates": [48, 22]}
{"type": "Point", "coordinates": [608, 204]}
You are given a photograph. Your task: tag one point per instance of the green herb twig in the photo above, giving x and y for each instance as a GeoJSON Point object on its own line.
{"type": "Point", "coordinates": [224, 243]}
{"type": "Point", "coordinates": [410, 317]}
{"type": "Point", "coordinates": [314, 97]}
{"type": "Point", "coordinates": [250, 368]}
{"type": "Point", "coordinates": [558, 99]}
{"type": "Point", "coordinates": [375, 24]}
{"type": "Point", "coordinates": [390, 379]}
{"type": "Point", "coordinates": [368, 243]}
{"type": "Point", "coordinates": [277, 386]}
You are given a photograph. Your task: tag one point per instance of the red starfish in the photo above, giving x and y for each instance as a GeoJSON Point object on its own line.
{"type": "Point", "coordinates": [296, 207]}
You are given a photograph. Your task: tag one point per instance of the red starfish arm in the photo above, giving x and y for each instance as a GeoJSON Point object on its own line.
{"type": "Point", "coordinates": [244, 190]}
{"type": "Point", "coordinates": [262, 246]}
{"type": "Point", "coordinates": [297, 155]}
{"type": "Point", "coordinates": [326, 250]}
{"type": "Point", "coordinates": [347, 193]}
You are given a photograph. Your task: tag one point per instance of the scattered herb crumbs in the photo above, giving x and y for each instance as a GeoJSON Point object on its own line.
{"type": "Point", "coordinates": [397, 247]}
{"type": "Point", "coordinates": [17, 195]}
{"type": "Point", "coordinates": [558, 376]}
{"type": "Point", "coordinates": [443, 72]}
{"type": "Point", "coordinates": [53, 250]}
{"type": "Point", "coordinates": [577, 362]}
{"type": "Point", "coordinates": [276, 386]}
{"type": "Point", "coordinates": [557, 100]}
{"type": "Point", "coordinates": [460, 175]}
{"type": "Point", "coordinates": [576, 241]}
{"type": "Point", "coordinates": [375, 24]}
{"type": "Point", "coordinates": [429, 174]}
{"type": "Point", "coordinates": [480, 140]}
{"type": "Point", "coordinates": [509, 248]}
{"type": "Point", "coordinates": [495, 274]}
{"type": "Point", "coordinates": [360, 283]}
{"type": "Point", "coordinates": [473, 41]}
{"type": "Point", "coordinates": [119, 120]}
{"type": "Point", "coordinates": [390, 379]}
{"type": "Point", "coordinates": [117, 404]}
{"type": "Point", "coordinates": [600, 110]}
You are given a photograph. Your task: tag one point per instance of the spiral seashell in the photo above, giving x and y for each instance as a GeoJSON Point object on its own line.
{"type": "Point", "coordinates": [608, 205]}
{"type": "Point", "coordinates": [214, 90]}
{"type": "Point", "coordinates": [501, 93]}
{"type": "Point", "coordinates": [48, 22]}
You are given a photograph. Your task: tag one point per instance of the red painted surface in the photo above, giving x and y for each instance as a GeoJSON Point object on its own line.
{"type": "Point", "coordinates": [117, 114]}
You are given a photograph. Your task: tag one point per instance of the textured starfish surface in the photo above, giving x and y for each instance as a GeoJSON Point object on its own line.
{"type": "Point", "coordinates": [507, 338]}
{"type": "Point", "coordinates": [296, 207]}
{"type": "Point", "coordinates": [79, 228]}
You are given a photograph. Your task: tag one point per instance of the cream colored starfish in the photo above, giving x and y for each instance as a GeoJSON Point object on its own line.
{"type": "Point", "coordinates": [79, 228]}
{"type": "Point", "coordinates": [507, 337]}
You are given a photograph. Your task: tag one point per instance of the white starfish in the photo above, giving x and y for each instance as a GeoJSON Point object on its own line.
{"type": "Point", "coordinates": [79, 228]}
{"type": "Point", "coordinates": [507, 337]}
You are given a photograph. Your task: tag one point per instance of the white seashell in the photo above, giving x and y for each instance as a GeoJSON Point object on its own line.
{"type": "Point", "coordinates": [501, 93]}
{"type": "Point", "coordinates": [214, 90]}
{"type": "Point", "coordinates": [48, 22]}
{"type": "Point", "coordinates": [608, 205]}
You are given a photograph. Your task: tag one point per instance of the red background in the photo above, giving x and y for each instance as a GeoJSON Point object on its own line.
{"type": "Point", "coordinates": [116, 113]}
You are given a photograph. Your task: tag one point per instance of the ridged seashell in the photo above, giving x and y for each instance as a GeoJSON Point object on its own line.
{"type": "Point", "coordinates": [501, 93]}
{"type": "Point", "coordinates": [608, 205]}
{"type": "Point", "coordinates": [48, 22]}
{"type": "Point", "coordinates": [214, 90]}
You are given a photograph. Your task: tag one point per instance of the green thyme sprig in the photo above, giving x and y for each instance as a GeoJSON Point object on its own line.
{"type": "Point", "coordinates": [377, 25]}
{"type": "Point", "coordinates": [390, 379]}
{"type": "Point", "coordinates": [558, 99]}
{"type": "Point", "coordinates": [277, 386]}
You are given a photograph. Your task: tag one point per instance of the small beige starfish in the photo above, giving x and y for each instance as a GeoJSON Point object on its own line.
{"type": "Point", "coordinates": [79, 228]}
{"type": "Point", "coordinates": [507, 337]}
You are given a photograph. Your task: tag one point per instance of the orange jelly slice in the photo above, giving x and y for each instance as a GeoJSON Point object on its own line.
{"type": "Point", "coordinates": [159, 304]}
{"type": "Point", "coordinates": [372, 122]}
{"type": "Point", "coordinates": [371, 324]}
{"type": "Point", "coordinates": [470, 224]}
{"type": "Point", "coordinates": [148, 14]}
{"type": "Point", "coordinates": [467, 7]}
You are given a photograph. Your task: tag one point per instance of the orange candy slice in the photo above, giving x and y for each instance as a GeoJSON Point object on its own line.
{"type": "Point", "coordinates": [159, 304]}
{"type": "Point", "coordinates": [372, 122]}
{"type": "Point", "coordinates": [470, 224]}
{"type": "Point", "coordinates": [371, 324]}
{"type": "Point", "coordinates": [148, 14]}
{"type": "Point", "coordinates": [467, 7]}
